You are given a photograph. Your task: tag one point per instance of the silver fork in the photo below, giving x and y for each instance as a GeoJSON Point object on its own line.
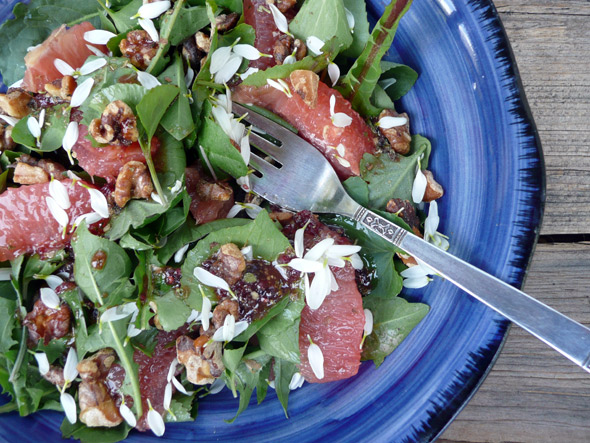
{"type": "Point", "coordinates": [306, 180]}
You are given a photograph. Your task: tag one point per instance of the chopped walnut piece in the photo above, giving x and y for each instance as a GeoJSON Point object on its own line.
{"type": "Point", "coordinates": [229, 264]}
{"type": "Point", "coordinates": [285, 5]}
{"type": "Point", "coordinates": [399, 137]}
{"type": "Point", "coordinates": [281, 216]}
{"type": "Point", "coordinates": [305, 83]}
{"type": "Point", "coordinates": [433, 189]}
{"type": "Point", "coordinates": [116, 126]}
{"type": "Point", "coordinates": [282, 48]}
{"type": "Point", "coordinates": [15, 103]}
{"type": "Point", "coordinates": [55, 376]}
{"type": "Point", "coordinates": [25, 174]}
{"type": "Point", "coordinates": [225, 22]}
{"type": "Point", "coordinates": [47, 323]}
{"type": "Point", "coordinates": [222, 310]}
{"type": "Point", "coordinates": [202, 359]}
{"type": "Point", "coordinates": [6, 142]}
{"type": "Point", "coordinates": [300, 49]}
{"type": "Point", "coordinates": [132, 182]}
{"type": "Point", "coordinates": [62, 88]}
{"type": "Point", "coordinates": [139, 48]}
{"type": "Point", "coordinates": [97, 406]}
{"type": "Point", "coordinates": [203, 42]}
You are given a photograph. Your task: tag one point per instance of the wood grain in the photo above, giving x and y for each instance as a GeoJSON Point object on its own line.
{"type": "Point", "coordinates": [533, 394]}
{"type": "Point", "coordinates": [551, 42]}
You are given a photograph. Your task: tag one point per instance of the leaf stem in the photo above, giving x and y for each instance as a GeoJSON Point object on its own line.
{"type": "Point", "coordinates": [147, 153]}
{"type": "Point", "coordinates": [84, 18]}
{"type": "Point", "coordinates": [22, 350]}
{"type": "Point", "coordinates": [162, 48]}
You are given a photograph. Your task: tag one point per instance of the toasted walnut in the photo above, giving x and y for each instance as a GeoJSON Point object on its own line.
{"type": "Point", "coordinates": [285, 5]}
{"type": "Point", "coordinates": [16, 103]}
{"type": "Point", "coordinates": [300, 49]}
{"type": "Point", "coordinates": [47, 323]}
{"type": "Point", "coordinates": [6, 142]}
{"type": "Point", "coordinates": [281, 216]}
{"type": "Point", "coordinates": [230, 263]}
{"type": "Point", "coordinates": [25, 174]}
{"type": "Point", "coordinates": [139, 48]}
{"type": "Point", "coordinates": [202, 359]}
{"type": "Point", "coordinates": [433, 189]}
{"type": "Point", "coordinates": [116, 126]}
{"type": "Point", "coordinates": [62, 88]}
{"type": "Point", "coordinates": [399, 137]}
{"type": "Point", "coordinates": [55, 376]}
{"type": "Point", "coordinates": [157, 324]}
{"type": "Point", "coordinates": [305, 83]}
{"type": "Point", "coordinates": [203, 42]}
{"type": "Point", "coordinates": [52, 168]}
{"type": "Point", "coordinates": [222, 310]}
{"type": "Point", "coordinates": [282, 48]}
{"type": "Point", "coordinates": [225, 22]}
{"type": "Point", "coordinates": [97, 406]}
{"type": "Point", "coordinates": [132, 182]}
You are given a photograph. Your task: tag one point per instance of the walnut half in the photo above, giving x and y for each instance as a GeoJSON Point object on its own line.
{"type": "Point", "coordinates": [116, 126]}
{"type": "Point", "coordinates": [16, 103]}
{"type": "Point", "coordinates": [201, 357]}
{"type": "Point", "coordinates": [132, 182]}
{"type": "Point", "coordinates": [139, 48]}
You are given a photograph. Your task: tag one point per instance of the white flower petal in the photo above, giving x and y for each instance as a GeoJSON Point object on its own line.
{"type": "Point", "coordinates": [281, 87]}
{"type": "Point", "coordinates": [432, 221]}
{"type": "Point", "coordinates": [235, 210]}
{"type": "Point", "coordinates": [98, 36]}
{"type": "Point", "coordinates": [368, 328]}
{"type": "Point", "coordinates": [303, 265]}
{"type": "Point", "coordinates": [69, 406]}
{"type": "Point", "coordinates": [59, 193]}
{"type": "Point", "coordinates": [416, 283]}
{"type": "Point", "coordinates": [228, 70]}
{"type": "Point", "coordinates": [146, 80]}
{"type": "Point", "coordinates": [217, 386]}
{"type": "Point", "coordinates": [245, 149]}
{"type": "Point", "coordinates": [341, 120]}
{"type": "Point", "coordinates": [279, 18]}
{"type": "Point", "coordinates": [10, 120]}
{"type": "Point", "coordinates": [415, 271]}
{"type": "Point", "coordinates": [96, 51]}
{"type": "Point", "coordinates": [127, 415]}
{"type": "Point", "coordinates": [132, 331]}
{"type": "Point", "coordinates": [244, 183]}
{"type": "Point", "coordinates": [281, 270]}
{"type": "Point", "coordinates": [92, 66]}
{"type": "Point", "coordinates": [289, 60]}
{"type": "Point", "coordinates": [225, 332]}
{"type": "Point", "coordinates": [176, 188]}
{"type": "Point", "coordinates": [34, 127]}
{"type": "Point", "coordinates": [81, 93]}
{"type": "Point", "coordinates": [42, 362]}
{"type": "Point", "coordinates": [341, 150]}
{"type": "Point", "coordinates": [319, 289]}
{"type": "Point", "coordinates": [57, 212]}
{"type": "Point", "coordinates": [194, 316]}
{"type": "Point", "coordinates": [342, 251]}
{"type": "Point", "coordinates": [391, 122]}
{"type": "Point", "coordinates": [153, 10]}
{"type": "Point", "coordinates": [50, 298]}
{"type": "Point", "coordinates": [118, 312]}
{"type": "Point", "coordinates": [42, 118]}
{"type": "Point", "coordinates": [349, 19]}
{"type": "Point", "coordinates": [298, 242]}
{"type": "Point", "coordinates": [179, 386]}
{"type": "Point", "coordinates": [70, 368]}
{"type": "Point", "coordinates": [316, 360]}
{"type": "Point", "coordinates": [179, 255]}
{"type": "Point", "coordinates": [172, 370]}
{"type": "Point", "coordinates": [167, 396]}
{"type": "Point", "coordinates": [333, 283]}
{"type": "Point", "coordinates": [53, 281]}
{"type": "Point", "coordinates": [314, 44]}
{"type": "Point", "coordinates": [343, 161]}
{"type": "Point", "coordinates": [319, 249]}
{"type": "Point", "coordinates": [296, 381]}
{"type": "Point", "coordinates": [223, 119]}
{"type": "Point", "coordinates": [219, 58]}
{"type": "Point", "coordinates": [333, 72]}
{"type": "Point", "coordinates": [91, 218]}
{"type": "Point", "coordinates": [337, 261]}
{"type": "Point", "coordinates": [247, 252]}
{"type": "Point", "coordinates": [252, 210]}
{"type": "Point", "coordinates": [148, 26]}
{"type": "Point", "coordinates": [205, 311]}
{"type": "Point", "coordinates": [189, 77]}
{"type": "Point", "coordinates": [209, 279]}
{"type": "Point", "coordinates": [419, 187]}
{"type": "Point", "coordinates": [356, 262]}
{"type": "Point", "coordinates": [332, 104]}
{"type": "Point", "coordinates": [155, 197]}
{"type": "Point", "coordinates": [154, 419]}
{"type": "Point", "coordinates": [247, 51]}
{"type": "Point", "coordinates": [248, 73]}
{"type": "Point", "coordinates": [98, 202]}
{"type": "Point", "coordinates": [16, 84]}
{"type": "Point", "coordinates": [63, 67]}
{"type": "Point", "coordinates": [70, 137]}
{"type": "Point", "coordinates": [5, 274]}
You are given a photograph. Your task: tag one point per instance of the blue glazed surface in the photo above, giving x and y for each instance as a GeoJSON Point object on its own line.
{"type": "Point", "coordinates": [469, 102]}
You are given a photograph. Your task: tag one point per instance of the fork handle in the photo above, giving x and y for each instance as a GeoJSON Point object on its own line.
{"type": "Point", "coordinates": [563, 334]}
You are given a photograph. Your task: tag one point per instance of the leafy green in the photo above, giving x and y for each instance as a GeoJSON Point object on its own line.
{"type": "Point", "coordinates": [393, 320]}
{"type": "Point", "coordinates": [397, 79]}
{"type": "Point", "coordinates": [153, 106]}
{"type": "Point", "coordinates": [129, 93]}
{"type": "Point", "coordinates": [172, 311]}
{"type": "Point", "coordinates": [361, 33]}
{"type": "Point", "coordinates": [186, 24]}
{"type": "Point", "coordinates": [81, 432]}
{"type": "Point", "coordinates": [122, 18]}
{"type": "Point", "coordinates": [7, 323]}
{"type": "Point", "coordinates": [32, 23]}
{"type": "Point", "coordinates": [359, 82]}
{"type": "Point", "coordinates": [284, 371]}
{"type": "Point", "coordinates": [324, 19]}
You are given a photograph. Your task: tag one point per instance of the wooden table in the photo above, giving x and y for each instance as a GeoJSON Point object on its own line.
{"type": "Point", "coordinates": [533, 394]}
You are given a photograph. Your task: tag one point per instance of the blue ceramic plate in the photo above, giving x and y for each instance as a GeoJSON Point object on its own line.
{"type": "Point", "coordinates": [469, 102]}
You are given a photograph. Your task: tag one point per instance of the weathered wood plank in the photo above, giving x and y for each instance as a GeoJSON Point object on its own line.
{"type": "Point", "coordinates": [533, 394]}
{"type": "Point", "coordinates": [550, 40]}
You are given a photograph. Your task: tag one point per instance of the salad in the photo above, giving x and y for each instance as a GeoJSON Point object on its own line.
{"type": "Point", "coordinates": [139, 273]}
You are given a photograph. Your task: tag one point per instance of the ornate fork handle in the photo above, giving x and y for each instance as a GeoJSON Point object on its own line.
{"type": "Point", "coordinates": [560, 332]}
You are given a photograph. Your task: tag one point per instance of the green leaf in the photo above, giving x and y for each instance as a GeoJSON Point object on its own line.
{"type": "Point", "coordinates": [172, 311]}
{"type": "Point", "coordinates": [7, 323]}
{"type": "Point", "coordinates": [32, 24]}
{"type": "Point", "coordinates": [81, 432]}
{"type": "Point", "coordinates": [359, 82]}
{"type": "Point", "coordinates": [129, 93]}
{"type": "Point", "coordinates": [280, 336]}
{"type": "Point", "coordinates": [284, 371]}
{"type": "Point", "coordinates": [99, 280]}
{"type": "Point", "coordinates": [397, 79]}
{"type": "Point", "coordinates": [122, 18]}
{"type": "Point", "coordinates": [233, 357]}
{"type": "Point", "coordinates": [186, 24]}
{"type": "Point", "coordinates": [324, 19]}
{"type": "Point", "coordinates": [21, 134]}
{"type": "Point", "coordinates": [244, 32]}
{"type": "Point", "coordinates": [56, 122]}
{"type": "Point", "coordinates": [182, 408]}
{"type": "Point", "coordinates": [361, 34]}
{"type": "Point", "coordinates": [153, 106]}
{"type": "Point", "coordinates": [388, 177]}
{"type": "Point", "coordinates": [393, 320]}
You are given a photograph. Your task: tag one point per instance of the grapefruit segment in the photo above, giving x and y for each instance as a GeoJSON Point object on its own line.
{"type": "Point", "coordinates": [66, 44]}
{"type": "Point", "coordinates": [27, 226]}
{"type": "Point", "coordinates": [257, 15]}
{"type": "Point", "coordinates": [315, 125]}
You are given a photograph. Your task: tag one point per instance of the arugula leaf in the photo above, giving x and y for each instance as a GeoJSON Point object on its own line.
{"type": "Point", "coordinates": [159, 60]}
{"type": "Point", "coordinates": [153, 106]}
{"type": "Point", "coordinates": [7, 323]}
{"type": "Point", "coordinates": [393, 320]}
{"type": "Point", "coordinates": [253, 327]}
{"type": "Point", "coordinates": [389, 178]}
{"type": "Point", "coordinates": [182, 408]}
{"type": "Point", "coordinates": [185, 24]}
{"type": "Point", "coordinates": [359, 82]}
{"type": "Point", "coordinates": [33, 23]}
{"type": "Point", "coordinates": [324, 19]}
{"type": "Point", "coordinates": [397, 79]}
{"type": "Point", "coordinates": [122, 18]}
{"type": "Point", "coordinates": [361, 34]}
{"type": "Point", "coordinates": [284, 371]}
{"type": "Point", "coordinates": [172, 311]}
